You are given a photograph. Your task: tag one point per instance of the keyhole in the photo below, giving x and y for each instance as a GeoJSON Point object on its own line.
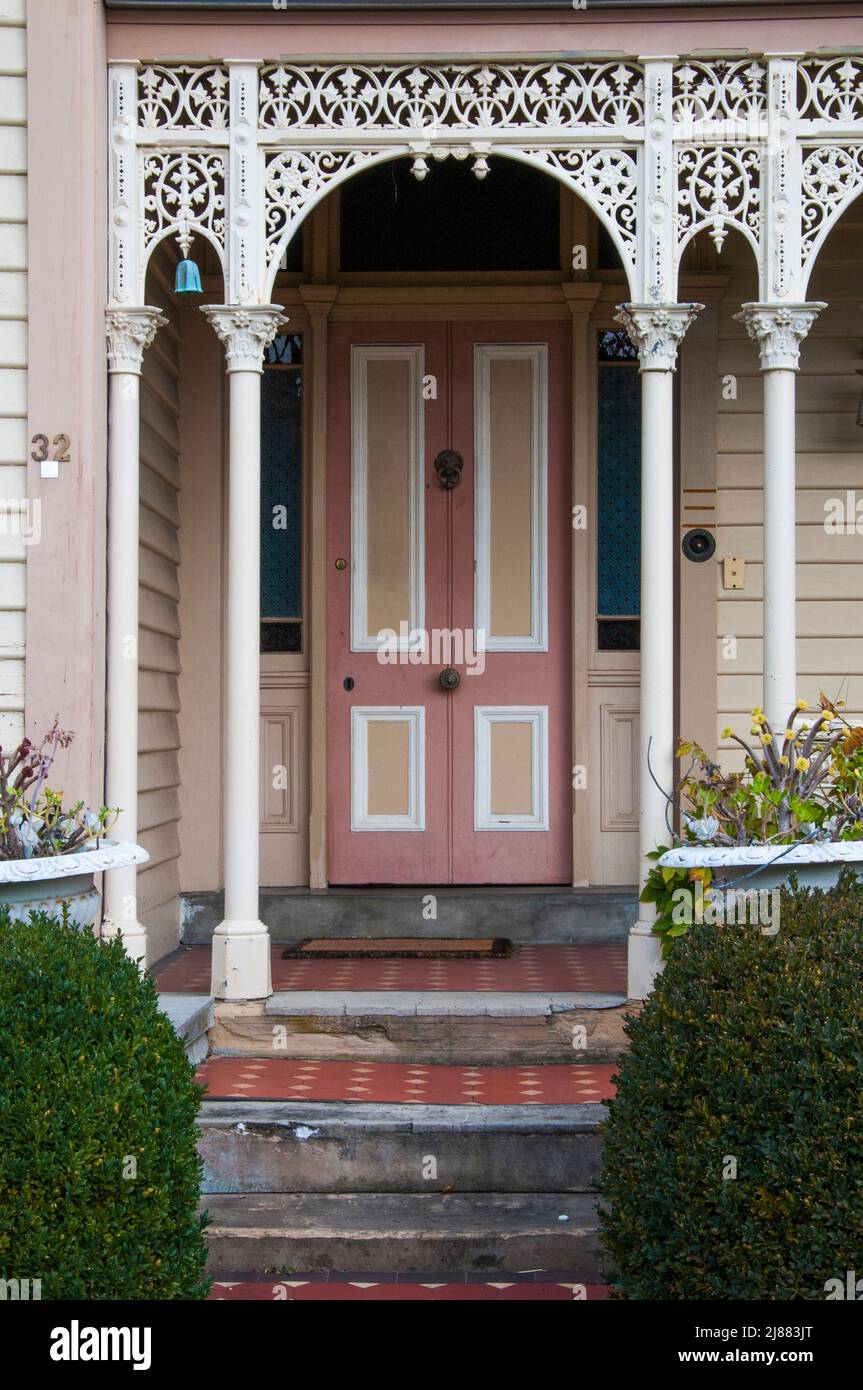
{"type": "Point", "coordinates": [348, 682]}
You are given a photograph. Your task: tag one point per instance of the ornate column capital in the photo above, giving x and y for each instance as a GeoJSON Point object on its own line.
{"type": "Point", "coordinates": [246, 331]}
{"type": "Point", "coordinates": [130, 332]}
{"type": "Point", "coordinates": [779, 329]}
{"type": "Point", "coordinates": [656, 330]}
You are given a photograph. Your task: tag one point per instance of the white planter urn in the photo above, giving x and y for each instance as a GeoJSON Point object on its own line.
{"type": "Point", "coordinates": [816, 863]}
{"type": "Point", "coordinates": [48, 884]}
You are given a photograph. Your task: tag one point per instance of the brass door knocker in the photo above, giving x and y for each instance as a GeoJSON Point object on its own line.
{"type": "Point", "coordinates": [448, 465]}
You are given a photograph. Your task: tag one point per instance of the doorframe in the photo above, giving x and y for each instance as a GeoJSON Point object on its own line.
{"type": "Point", "coordinates": [576, 301]}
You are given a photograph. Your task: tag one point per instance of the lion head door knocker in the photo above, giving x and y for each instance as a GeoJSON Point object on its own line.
{"type": "Point", "coordinates": [448, 465]}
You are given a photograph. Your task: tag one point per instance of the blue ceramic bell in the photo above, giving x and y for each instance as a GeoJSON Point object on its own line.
{"type": "Point", "coordinates": [188, 278]}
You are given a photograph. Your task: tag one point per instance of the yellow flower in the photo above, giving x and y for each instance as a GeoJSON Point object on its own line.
{"type": "Point", "coordinates": [783, 760]}
{"type": "Point", "coordinates": [801, 704]}
{"type": "Point", "coordinates": [755, 730]}
{"type": "Point", "coordinates": [766, 738]}
{"type": "Point", "coordinates": [790, 734]}
{"type": "Point", "coordinates": [727, 733]}
{"type": "Point", "coordinates": [802, 764]}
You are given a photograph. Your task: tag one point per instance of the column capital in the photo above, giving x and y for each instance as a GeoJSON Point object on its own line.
{"type": "Point", "coordinates": [130, 332]}
{"type": "Point", "coordinates": [779, 329]}
{"type": "Point", "coordinates": [656, 330]}
{"type": "Point", "coordinates": [246, 331]}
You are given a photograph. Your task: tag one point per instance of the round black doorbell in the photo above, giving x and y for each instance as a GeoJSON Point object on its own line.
{"type": "Point", "coordinates": [698, 545]}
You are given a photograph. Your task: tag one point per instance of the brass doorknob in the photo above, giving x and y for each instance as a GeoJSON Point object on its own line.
{"type": "Point", "coordinates": [449, 678]}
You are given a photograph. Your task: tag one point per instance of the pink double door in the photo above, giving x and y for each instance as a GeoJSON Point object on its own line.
{"type": "Point", "coordinates": [448, 604]}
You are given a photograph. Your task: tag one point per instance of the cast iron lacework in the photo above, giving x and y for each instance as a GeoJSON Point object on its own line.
{"type": "Point", "coordinates": [184, 190]}
{"type": "Point", "coordinates": [618, 482]}
{"type": "Point", "coordinates": [719, 89]}
{"type": "Point", "coordinates": [611, 176]}
{"type": "Point", "coordinates": [831, 89]}
{"type": "Point", "coordinates": [832, 176]}
{"type": "Point", "coordinates": [292, 178]}
{"type": "Point", "coordinates": [719, 188]}
{"type": "Point", "coordinates": [281, 496]}
{"type": "Point", "coordinates": [685, 140]}
{"type": "Point", "coordinates": [474, 96]}
{"type": "Point", "coordinates": [183, 96]}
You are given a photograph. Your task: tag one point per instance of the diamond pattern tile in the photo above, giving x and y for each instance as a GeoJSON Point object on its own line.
{"type": "Point", "coordinates": [504, 1289]}
{"type": "Point", "coordinates": [564, 969]}
{"type": "Point", "coordinates": [244, 1078]}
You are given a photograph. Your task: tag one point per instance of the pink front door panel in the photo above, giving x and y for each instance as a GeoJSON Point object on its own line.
{"type": "Point", "coordinates": [472, 786]}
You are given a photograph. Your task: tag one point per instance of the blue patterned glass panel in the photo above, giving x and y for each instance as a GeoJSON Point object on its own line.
{"type": "Point", "coordinates": [619, 491]}
{"type": "Point", "coordinates": [281, 489]}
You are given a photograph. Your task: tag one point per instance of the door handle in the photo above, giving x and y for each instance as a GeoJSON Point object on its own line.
{"type": "Point", "coordinates": [448, 465]}
{"type": "Point", "coordinates": [449, 678]}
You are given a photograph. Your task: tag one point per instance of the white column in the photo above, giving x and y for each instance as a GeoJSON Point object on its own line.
{"type": "Point", "coordinates": [241, 942]}
{"type": "Point", "coordinates": [656, 330]}
{"type": "Point", "coordinates": [130, 332]}
{"type": "Point", "coordinates": [779, 329]}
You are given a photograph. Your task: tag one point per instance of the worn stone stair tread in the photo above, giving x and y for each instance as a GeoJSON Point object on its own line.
{"type": "Point", "coordinates": [332, 1116]}
{"type": "Point", "coordinates": [191, 1016]}
{"type": "Point", "coordinates": [433, 1003]}
{"type": "Point", "coordinates": [267, 1233]}
{"type": "Point", "coordinates": [366, 1146]}
{"type": "Point", "coordinates": [375, 1216]}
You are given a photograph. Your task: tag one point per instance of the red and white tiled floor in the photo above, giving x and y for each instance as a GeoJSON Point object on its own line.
{"type": "Point", "coordinates": [238, 1078]}
{"type": "Point", "coordinates": [374, 1288]}
{"type": "Point", "coordinates": [561, 969]}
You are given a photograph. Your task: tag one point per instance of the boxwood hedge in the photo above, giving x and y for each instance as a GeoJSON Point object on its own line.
{"type": "Point", "coordinates": [99, 1175]}
{"type": "Point", "coordinates": [733, 1153]}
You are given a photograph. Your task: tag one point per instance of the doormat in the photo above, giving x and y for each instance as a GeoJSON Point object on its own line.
{"type": "Point", "coordinates": [399, 948]}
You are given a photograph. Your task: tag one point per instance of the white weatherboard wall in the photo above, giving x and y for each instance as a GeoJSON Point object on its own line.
{"type": "Point", "coordinates": [829, 464]}
{"type": "Point", "coordinates": [13, 364]}
{"type": "Point", "coordinates": [159, 630]}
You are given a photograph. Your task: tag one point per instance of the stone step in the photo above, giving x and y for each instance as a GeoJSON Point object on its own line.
{"type": "Point", "coordinates": [264, 1234]}
{"type": "Point", "coordinates": [482, 1027]}
{"type": "Point", "coordinates": [563, 915]}
{"type": "Point", "coordinates": [350, 1146]}
{"type": "Point", "coordinates": [191, 1016]}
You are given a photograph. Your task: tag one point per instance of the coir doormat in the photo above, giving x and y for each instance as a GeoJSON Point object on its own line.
{"type": "Point", "coordinates": [399, 948]}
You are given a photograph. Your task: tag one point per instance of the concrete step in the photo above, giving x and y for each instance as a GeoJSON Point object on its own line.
{"type": "Point", "coordinates": [267, 1233]}
{"type": "Point", "coordinates": [191, 1016]}
{"type": "Point", "coordinates": [434, 1026]}
{"type": "Point", "coordinates": [350, 1146]}
{"type": "Point", "coordinates": [563, 915]}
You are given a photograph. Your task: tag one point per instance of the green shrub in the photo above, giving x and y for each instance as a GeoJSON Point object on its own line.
{"type": "Point", "coordinates": [99, 1175]}
{"type": "Point", "coordinates": [749, 1049]}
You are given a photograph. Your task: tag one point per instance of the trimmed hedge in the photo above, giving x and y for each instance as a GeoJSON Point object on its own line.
{"type": "Point", "coordinates": [99, 1174]}
{"type": "Point", "coordinates": [750, 1049]}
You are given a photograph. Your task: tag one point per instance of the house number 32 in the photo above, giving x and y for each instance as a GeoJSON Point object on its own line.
{"type": "Point", "coordinates": [49, 453]}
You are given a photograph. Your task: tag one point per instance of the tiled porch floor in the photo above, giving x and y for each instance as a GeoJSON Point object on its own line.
{"type": "Point", "coordinates": [250, 1078]}
{"type": "Point", "coordinates": [376, 1288]}
{"type": "Point", "coordinates": [555, 969]}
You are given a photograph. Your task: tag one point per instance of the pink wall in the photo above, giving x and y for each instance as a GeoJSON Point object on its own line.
{"type": "Point", "coordinates": [260, 35]}
{"type": "Point", "coordinates": [65, 656]}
